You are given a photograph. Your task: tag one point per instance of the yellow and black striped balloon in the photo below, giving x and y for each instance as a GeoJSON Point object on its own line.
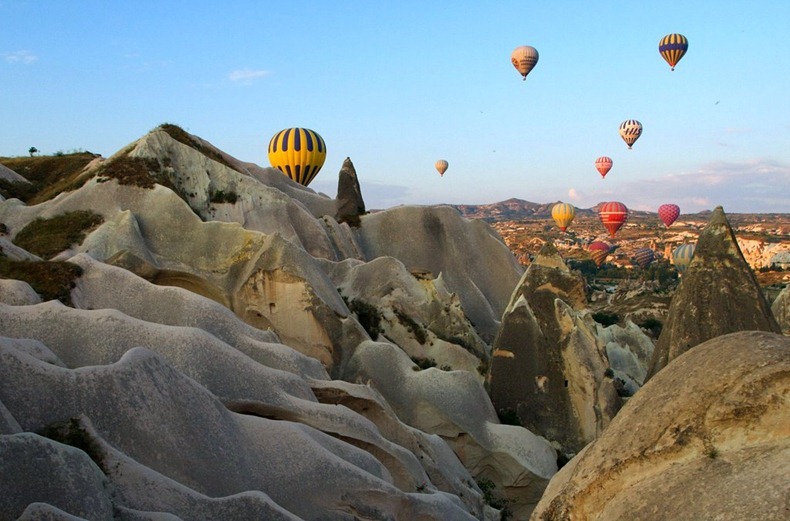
{"type": "Point", "coordinates": [672, 48]}
{"type": "Point", "coordinates": [298, 153]}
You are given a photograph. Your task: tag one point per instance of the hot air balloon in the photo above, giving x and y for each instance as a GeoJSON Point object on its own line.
{"type": "Point", "coordinates": [441, 166]}
{"type": "Point", "coordinates": [672, 48]}
{"type": "Point", "coordinates": [644, 256]}
{"type": "Point", "coordinates": [630, 130]}
{"type": "Point", "coordinates": [563, 214]}
{"type": "Point", "coordinates": [603, 164]}
{"type": "Point", "coordinates": [524, 59]}
{"type": "Point", "coordinates": [613, 215]}
{"type": "Point", "coordinates": [682, 256]}
{"type": "Point", "coordinates": [668, 213]}
{"type": "Point", "coordinates": [298, 153]}
{"type": "Point", "coordinates": [599, 251]}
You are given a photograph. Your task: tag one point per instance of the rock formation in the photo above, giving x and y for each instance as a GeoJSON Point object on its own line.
{"type": "Point", "coordinates": [349, 194]}
{"type": "Point", "coordinates": [706, 438]}
{"type": "Point", "coordinates": [191, 374]}
{"type": "Point", "coordinates": [548, 372]}
{"type": "Point", "coordinates": [781, 309]}
{"type": "Point", "coordinates": [718, 294]}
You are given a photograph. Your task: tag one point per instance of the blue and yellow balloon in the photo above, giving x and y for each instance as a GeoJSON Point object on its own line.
{"type": "Point", "coordinates": [298, 153]}
{"type": "Point", "coordinates": [672, 48]}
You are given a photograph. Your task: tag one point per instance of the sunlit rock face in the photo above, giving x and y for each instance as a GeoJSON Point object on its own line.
{"type": "Point", "coordinates": [781, 310]}
{"type": "Point", "coordinates": [193, 372]}
{"type": "Point", "coordinates": [718, 294]}
{"type": "Point", "coordinates": [692, 443]}
{"type": "Point", "coordinates": [548, 372]}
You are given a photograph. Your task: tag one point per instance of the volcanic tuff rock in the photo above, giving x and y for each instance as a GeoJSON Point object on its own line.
{"type": "Point", "coordinates": [548, 369]}
{"type": "Point", "coordinates": [706, 438]}
{"type": "Point", "coordinates": [349, 194]}
{"type": "Point", "coordinates": [718, 294]}
{"type": "Point", "coordinates": [781, 310]}
{"type": "Point", "coordinates": [194, 365]}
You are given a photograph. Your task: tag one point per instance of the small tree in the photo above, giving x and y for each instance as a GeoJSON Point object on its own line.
{"type": "Point", "coordinates": [33, 151]}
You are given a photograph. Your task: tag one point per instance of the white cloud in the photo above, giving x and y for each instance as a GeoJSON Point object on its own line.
{"type": "Point", "coordinates": [573, 195]}
{"type": "Point", "coordinates": [246, 76]}
{"type": "Point", "coordinates": [25, 57]}
{"type": "Point", "coordinates": [746, 186]}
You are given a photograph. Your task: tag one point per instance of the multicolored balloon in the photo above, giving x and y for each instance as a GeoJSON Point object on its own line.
{"type": "Point", "coordinates": [644, 256]}
{"type": "Point", "coordinates": [524, 59]}
{"type": "Point", "coordinates": [441, 166]}
{"type": "Point", "coordinates": [603, 164]}
{"type": "Point", "coordinates": [298, 153]}
{"type": "Point", "coordinates": [613, 215]}
{"type": "Point", "coordinates": [599, 250]}
{"type": "Point", "coordinates": [672, 48]}
{"type": "Point", "coordinates": [668, 213]}
{"type": "Point", "coordinates": [563, 214]}
{"type": "Point", "coordinates": [682, 256]}
{"type": "Point", "coordinates": [630, 130]}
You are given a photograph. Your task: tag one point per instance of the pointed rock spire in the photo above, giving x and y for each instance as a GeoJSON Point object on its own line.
{"type": "Point", "coordinates": [350, 204]}
{"type": "Point", "coordinates": [718, 294]}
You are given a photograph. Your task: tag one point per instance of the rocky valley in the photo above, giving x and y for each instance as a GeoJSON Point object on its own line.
{"type": "Point", "coordinates": [184, 335]}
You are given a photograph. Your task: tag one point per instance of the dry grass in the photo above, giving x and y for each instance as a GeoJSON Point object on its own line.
{"type": "Point", "coordinates": [51, 280]}
{"type": "Point", "coordinates": [180, 135]}
{"type": "Point", "coordinates": [48, 237]}
{"type": "Point", "coordinates": [48, 175]}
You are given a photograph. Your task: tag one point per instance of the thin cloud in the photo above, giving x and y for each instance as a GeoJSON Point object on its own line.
{"type": "Point", "coordinates": [749, 186]}
{"type": "Point", "coordinates": [573, 195]}
{"type": "Point", "coordinates": [247, 76]}
{"type": "Point", "coordinates": [24, 57]}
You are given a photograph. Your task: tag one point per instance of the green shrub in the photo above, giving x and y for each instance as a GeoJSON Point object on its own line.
{"type": "Point", "coordinates": [220, 197]}
{"type": "Point", "coordinates": [48, 237]}
{"type": "Point", "coordinates": [652, 325]}
{"type": "Point", "coordinates": [412, 326]}
{"type": "Point", "coordinates": [423, 363]}
{"type": "Point", "coordinates": [368, 316]}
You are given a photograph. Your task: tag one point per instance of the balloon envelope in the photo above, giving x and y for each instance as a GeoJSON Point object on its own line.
{"type": "Point", "coordinates": [668, 213]}
{"type": "Point", "coordinates": [441, 166]}
{"type": "Point", "coordinates": [682, 256]}
{"type": "Point", "coordinates": [563, 214]}
{"type": "Point", "coordinates": [672, 48]}
{"type": "Point", "coordinates": [644, 256]}
{"type": "Point", "coordinates": [298, 153]}
{"type": "Point", "coordinates": [599, 251]}
{"type": "Point", "coordinates": [524, 59]}
{"type": "Point", "coordinates": [630, 130]}
{"type": "Point", "coordinates": [613, 215]}
{"type": "Point", "coordinates": [603, 164]}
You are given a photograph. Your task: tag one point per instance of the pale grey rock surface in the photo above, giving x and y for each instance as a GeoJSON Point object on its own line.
{"type": "Point", "coordinates": [629, 351]}
{"type": "Point", "coordinates": [17, 293]}
{"type": "Point", "coordinates": [781, 309]}
{"type": "Point", "coordinates": [198, 354]}
{"type": "Point", "coordinates": [718, 294]}
{"type": "Point", "coordinates": [6, 174]}
{"type": "Point", "coordinates": [706, 438]}
{"type": "Point", "coordinates": [548, 371]}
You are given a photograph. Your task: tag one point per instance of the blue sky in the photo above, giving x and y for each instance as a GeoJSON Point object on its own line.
{"type": "Point", "coordinates": [397, 85]}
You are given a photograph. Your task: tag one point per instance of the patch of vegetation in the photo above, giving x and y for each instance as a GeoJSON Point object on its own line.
{"type": "Point", "coordinates": [423, 363]}
{"type": "Point", "coordinates": [51, 280]}
{"type": "Point", "coordinates": [220, 197]}
{"type": "Point", "coordinates": [446, 367]}
{"type": "Point", "coordinates": [606, 318]}
{"type": "Point", "coordinates": [48, 237]}
{"type": "Point", "coordinates": [483, 368]}
{"type": "Point", "coordinates": [508, 417]}
{"type": "Point", "coordinates": [488, 488]}
{"type": "Point", "coordinates": [48, 176]}
{"type": "Point", "coordinates": [368, 316]}
{"type": "Point", "coordinates": [712, 452]}
{"type": "Point", "coordinates": [72, 433]}
{"type": "Point", "coordinates": [134, 171]}
{"type": "Point", "coordinates": [412, 326]}
{"type": "Point", "coordinates": [180, 135]}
